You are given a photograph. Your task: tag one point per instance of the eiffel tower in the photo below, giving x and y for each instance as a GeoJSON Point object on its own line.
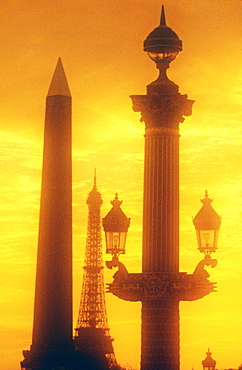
{"type": "Point", "coordinates": [92, 335]}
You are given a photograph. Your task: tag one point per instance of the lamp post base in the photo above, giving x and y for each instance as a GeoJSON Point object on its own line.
{"type": "Point", "coordinates": [160, 335]}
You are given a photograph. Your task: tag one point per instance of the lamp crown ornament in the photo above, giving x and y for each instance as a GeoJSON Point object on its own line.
{"type": "Point", "coordinates": [163, 99]}
{"type": "Point", "coordinates": [116, 202]}
{"type": "Point", "coordinates": [162, 44]}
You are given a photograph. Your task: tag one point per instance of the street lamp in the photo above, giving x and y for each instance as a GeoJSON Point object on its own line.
{"type": "Point", "coordinates": [115, 225]}
{"type": "Point", "coordinates": [207, 223]}
{"type": "Point", "coordinates": [160, 286]}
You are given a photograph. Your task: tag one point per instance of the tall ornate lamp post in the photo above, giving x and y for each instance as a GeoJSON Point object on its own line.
{"type": "Point", "coordinates": [160, 287]}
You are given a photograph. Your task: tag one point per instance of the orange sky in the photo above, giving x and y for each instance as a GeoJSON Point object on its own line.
{"type": "Point", "coordinates": [100, 43]}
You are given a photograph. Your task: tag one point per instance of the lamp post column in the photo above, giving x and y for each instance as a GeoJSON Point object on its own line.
{"type": "Point", "coordinates": [160, 287]}
{"type": "Point", "coordinates": [160, 317]}
{"type": "Point", "coordinates": [162, 113]}
{"type": "Point", "coordinates": [162, 110]}
{"type": "Point", "coordinates": [161, 193]}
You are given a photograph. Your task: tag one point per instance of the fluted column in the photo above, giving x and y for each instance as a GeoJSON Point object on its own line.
{"type": "Point", "coordinates": [162, 110]}
{"type": "Point", "coordinates": [161, 201]}
{"type": "Point", "coordinates": [160, 318]}
{"type": "Point", "coordinates": [160, 335]}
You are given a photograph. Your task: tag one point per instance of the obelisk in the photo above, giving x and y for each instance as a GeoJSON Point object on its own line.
{"type": "Point", "coordinates": [52, 345]}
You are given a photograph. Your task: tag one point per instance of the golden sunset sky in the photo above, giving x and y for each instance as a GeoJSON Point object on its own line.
{"type": "Point", "coordinates": [100, 43]}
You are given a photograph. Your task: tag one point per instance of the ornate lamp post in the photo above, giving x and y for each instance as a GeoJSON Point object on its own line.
{"type": "Point", "coordinates": [116, 225]}
{"type": "Point", "coordinates": [207, 223]}
{"type": "Point", "coordinates": [160, 287]}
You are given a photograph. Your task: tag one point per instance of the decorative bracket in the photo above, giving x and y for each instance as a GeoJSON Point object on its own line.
{"type": "Point", "coordinates": [155, 286]}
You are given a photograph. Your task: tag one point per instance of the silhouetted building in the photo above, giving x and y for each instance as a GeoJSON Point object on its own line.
{"type": "Point", "coordinates": [92, 332]}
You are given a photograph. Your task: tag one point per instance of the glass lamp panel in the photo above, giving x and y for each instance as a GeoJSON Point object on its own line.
{"type": "Point", "coordinates": [198, 239]}
{"type": "Point", "coordinates": [115, 242]}
{"type": "Point", "coordinates": [168, 56]}
{"type": "Point", "coordinates": [215, 239]}
{"type": "Point", "coordinates": [122, 241]}
{"type": "Point", "coordinates": [109, 242]}
{"type": "Point", "coordinates": [206, 240]}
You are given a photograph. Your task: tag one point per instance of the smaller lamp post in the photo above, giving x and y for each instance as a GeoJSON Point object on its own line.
{"type": "Point", "coordinates": [207, 223]}
{"type": "Point", "coordinates": [115, 225]}
{"type": "Point", "coordinates": [209, 363]}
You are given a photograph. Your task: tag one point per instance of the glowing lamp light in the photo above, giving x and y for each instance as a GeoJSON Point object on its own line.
{"type": "Point", "coordinates": [207, 223]}
{"type": "Point", "coordinates": [116, 225]}
{"type": "Point", "coordinates": [159, 55]}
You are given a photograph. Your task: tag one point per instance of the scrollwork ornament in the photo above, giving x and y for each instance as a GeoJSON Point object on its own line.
{"type": "Point", "coordinates": [154, 286]}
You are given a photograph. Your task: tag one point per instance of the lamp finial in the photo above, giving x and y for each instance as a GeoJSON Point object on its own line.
{"type": "Point", "coordinates": [163, 17]}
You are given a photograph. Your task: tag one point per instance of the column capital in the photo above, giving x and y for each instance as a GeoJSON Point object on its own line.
{"type": "Point", "coordinates": [162, 110]}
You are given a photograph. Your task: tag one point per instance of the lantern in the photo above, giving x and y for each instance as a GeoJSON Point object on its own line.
{"type": "Point", "coordinates": [209, 363]}
{"type": "Point", "coordinates": [162, 44]}
{"type": "Point", "coordinates": [207, 223]}
{"type": "Point", "coordinates": [116, 225]}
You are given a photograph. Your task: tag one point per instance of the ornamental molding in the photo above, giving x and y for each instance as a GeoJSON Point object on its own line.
{"type": "Point", "coordinates": [158, 131]}
{"type": "Point", "coordinates": [155, 286]}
